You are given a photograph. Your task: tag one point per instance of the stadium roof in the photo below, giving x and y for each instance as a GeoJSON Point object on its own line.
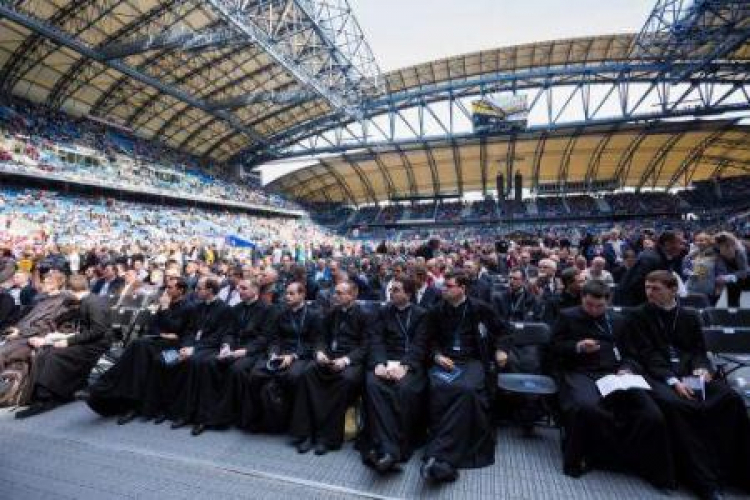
{"type": "Point", "coordinates": [647, 155]}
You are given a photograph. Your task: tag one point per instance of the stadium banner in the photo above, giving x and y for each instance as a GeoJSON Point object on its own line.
{"type": "Point", "coordinates": [236, 241]}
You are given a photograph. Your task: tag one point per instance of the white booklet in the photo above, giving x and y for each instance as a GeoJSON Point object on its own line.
{"type": "Point", "coordinates": [612, 383]}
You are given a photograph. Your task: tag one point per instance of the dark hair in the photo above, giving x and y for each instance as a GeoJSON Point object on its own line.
{"type": "Point", "coordinates": [568, 275]}
{"type": "Point", "coordinates": [666, 278]}
{"type": "Point", "coordinates": [597, 289]}
{"type": "Point", "coordinates": [517, 270]}
{"type": "Point", "coordinates": [212, 284]}
{"type": "Point", "coordinates": [462, 279]}
{"type": "Point", "coordinates": [301, 287]}
{"type": "Point", "coordinates": [667, 237]}
{"type": "Point", "coordinates": [179, 283]}
{"type": "Point", "coordinates": [409, 285]}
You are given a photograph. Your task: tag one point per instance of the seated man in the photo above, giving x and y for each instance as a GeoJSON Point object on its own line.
{"type": "Point", "coordinates": [624, 428]}
{"type": "Point", "coordinates": [63, 367]}
{"type": "Point", "coordinates": [132, 386]}
{"type": "Point", "coordinates": [707, 421]}
{"type": "Point", "coordinates": [275, 380]}
{"type": "Point", "coordinates": [211, 323]}
{"type": "Point", "coordinates": [222, 379]}
{"type": "Point", "coordinates": [335, 379]}
{"type": "Point", "coordinates": [396, 381]}
{"type": "Point", "coordinates": [517, 303]}
{"type": "Point", "coordinates": [465, 335]}
{"type": "Point", "coordinates": [51, 308]}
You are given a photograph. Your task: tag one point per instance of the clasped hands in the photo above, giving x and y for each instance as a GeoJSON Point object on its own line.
{"type": "Point", "coordinates": [337, 364]}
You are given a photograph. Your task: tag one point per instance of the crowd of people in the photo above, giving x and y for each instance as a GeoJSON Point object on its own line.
{"type": "Point", "coordinates": [41, 141]}
{"type": "Point", "coordinates": [283, 341]}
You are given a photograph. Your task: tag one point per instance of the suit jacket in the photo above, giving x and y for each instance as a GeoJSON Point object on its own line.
{"type": "Point", "coordinates": [93, 321]}
{"type": "Point", "coordinates": [523, 307]}
{"type": "Point", "coordinates": [177, 319]}
{"type": "Point", "coordinates": [402, 339]}
{"type": "Point", "coordinates": [115, 286]}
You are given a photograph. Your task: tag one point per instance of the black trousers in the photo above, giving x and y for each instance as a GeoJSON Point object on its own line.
{"type": "Point", "coordinates": [234, 406]}
{"type": "Point", "coordinates": [711, 438]}
{"type": "Point", "coordinates": [132, 383]}
{"type": "Point", "coordinates": [461, 432]}
{"type": "Point", "coordinates": [193, 381]}
{"type": "Point", "coordinates": [272, 395]}
{"type": "Point", "coordinates": [321, 401]}
{"type": "Point", "coordinates": [61, 372]}
{"type": "Point", "coordinates": [625, 429]}
{"type": "Point", "coordinates": [395, 413]}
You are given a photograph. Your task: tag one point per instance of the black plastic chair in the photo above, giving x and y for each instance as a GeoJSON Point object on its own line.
{"type": "Point", "coordinates": [731, 351]}
{"type": "Point", "coordinates": [737, 318]}
{"type": "Point", "coordinates": [695, 300]}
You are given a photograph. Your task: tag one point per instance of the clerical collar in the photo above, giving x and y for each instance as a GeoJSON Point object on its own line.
{"type": "Point", "coordinates": [212, 300]}
{"type": "Point", "coordinates": [456, 306]}
{"type": "Point", "coordinates": [404, 308]}
{"type": "Point", "coordinates": [250, 302]}
{"type": "Point", "coordinates": [298, 308]}
{"type": "Point", "coordinates": [670, 307]}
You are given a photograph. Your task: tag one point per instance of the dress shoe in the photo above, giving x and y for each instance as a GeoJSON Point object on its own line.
{"type": "Point", "coordinates": [385, 463]}
{"type": "Point", "coordinates": [127, 417]}
{"type": "Point", "coordinates": [160, 419]}
{"type": "Point", "coordinates": [178, 423]}
{"type": "Point", "coordinates": [575, 469]}
{"type": "Point", "coordinates": [305, 446]}
{"type": "Point", "coordinates": [321, 449]}
{"type": "Point", "coordinates": [371, 457]}
{"type": "Point", "coordinates": [198, 429]}
{"type": "Point", "coordinates": [36, 409]}
{"type": "Point", "coordinates": [713, 495]}
{"type": "Point", "coordinates": [443, 472]}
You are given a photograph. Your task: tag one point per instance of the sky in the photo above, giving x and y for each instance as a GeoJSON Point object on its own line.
{"type": "Point", "coordinates": [407, 32]}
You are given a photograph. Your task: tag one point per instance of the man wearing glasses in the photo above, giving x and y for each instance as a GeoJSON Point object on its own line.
{"type": "Point", "coordinates": [396, 382]}
{"type": "Point", "coordinates": [468, 342]}
{"type": "Point", "coordinates": [517, 303]}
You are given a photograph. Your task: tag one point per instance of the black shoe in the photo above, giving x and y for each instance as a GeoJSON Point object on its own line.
{"type": "Point", "coordinates": [82, 395]}
{"type": "Point", "coordinates": [575, 469]}
{"type": "Point", "coordinates": [36, 409]}
{"type": "Point", "coordinates": [180, 422]}
{"type": "Point", "coordinates": [321, 449]}
{"type": "Point", "coordinates": [198, 429]}
{"type": "Point", "coordinates": [713, 495]}
{"type": "Point", "coordinates": [127, 417]}
{"type": "Point", "coordinates": [371, 457]}
{"type": "Point", "coordinates": [305, 446]}
{"type": "Point", "coordinates": [443, 472]}
{"type": "Point", "coordinates": [386, 463]}
{"type": "Point", "coordinates": [160, 419]}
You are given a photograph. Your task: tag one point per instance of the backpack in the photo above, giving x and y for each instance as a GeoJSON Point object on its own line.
{"type": "Point", "coordinates": [14, 385]}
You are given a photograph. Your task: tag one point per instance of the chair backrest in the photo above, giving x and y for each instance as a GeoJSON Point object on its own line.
{"type": "Point", "coordinates": [725, 340]}
{"type": "Point", "coordinates": [695, 300]}
{"type": "Point", "coordinates": [524, 334]}
{"type": "Point", "coordinates": [738, 318]}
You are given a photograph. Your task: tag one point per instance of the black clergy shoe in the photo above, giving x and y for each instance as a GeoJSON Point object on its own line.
{"type": "Point", "coordinates": [160, 419]}
{"type": "Point", "coordinates": [305, 446]}
{"type": "Point", "coordinates": [198, 429]}
{"type": "Point", "coordinates": [127, 417]}
{"type": "Point", "coordinates": [576, 469]}
{"type": "Point", "coordinates": [36, 409]}
{"type": "Point", "coordinates": [443, 472]}
{"type": "Point", "coordinates": [321, 449]}
{"type": "Point", "coordinates": [178, 423]}
{"type": "Point", "coordinates": [371, 457]}
{"type": "Point", "coordinates": [386, 463]}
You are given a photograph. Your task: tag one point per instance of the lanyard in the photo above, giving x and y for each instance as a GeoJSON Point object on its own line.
{"type": "Point", "coordinates": [518, 302]}
{"type": "Point", "coordinates": [336, 326]}
{"type": "Point", "coordinates": [674, 354]}
{"type": "Point", "coordinates": [405, 329]}
{"type": "Point", "coordinates": [298, 326]}
{"type": "Point", "coordinates": [457, 331]}
{"type": "Point", "coordinates": [607, 332]}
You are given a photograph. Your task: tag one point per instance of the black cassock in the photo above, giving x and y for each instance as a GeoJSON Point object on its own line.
{"type": "Point", "coordinates": [395, 411]}
{"type": "Point", "coordinates": [518, 305]}
{"type": "Point", "coordinates": [221, 383]}
{"type": "Point", "coordinates": [272, 393]}
{"type": "Point", "coordinates": [711, 438]}
{"type": "Point", "coordinates": [625, 429]}
{"type": "Point", "coordinates": [212, 322]}
{"type": "Point", "coordinates": [324, 394]}
{"type": "Point", "coordinates": [460, 426]}
{"type": "Point", "coordinates": [135, 381]}
{"type": "Point", "coordinates": [60, 372]}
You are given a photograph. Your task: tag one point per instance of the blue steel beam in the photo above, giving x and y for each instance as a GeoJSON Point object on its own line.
{"type": "Point", "coordinates": [8, 11]}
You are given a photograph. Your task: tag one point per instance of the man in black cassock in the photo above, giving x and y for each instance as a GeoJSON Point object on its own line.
{"type": "Point", "coordinates": [517, 303]}
{"type": "Point", "coordinates": [62, 368]}
{"type": "Point", "coordinates": [625, 428]}
{"type": "Point", "coordinates": [212, 321]}
{"type": "Point", "coordinates": [224, 379]}
{"type": "Point", "coordinates": [132, 386]}
{"type": "Point", "coordinates": [466, 339]}
{"type": "Point", "coordinates": [274, 381]}
{"type": "Point", "coordinates": [396, 382]}
{"type": "Point", "coordinates": [336, 377]}
{"type": "Point", "coordinates": [710, 431]}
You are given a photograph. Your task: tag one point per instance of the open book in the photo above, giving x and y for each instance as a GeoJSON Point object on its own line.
{"type": "Point", "coordinates": [612, 383]}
